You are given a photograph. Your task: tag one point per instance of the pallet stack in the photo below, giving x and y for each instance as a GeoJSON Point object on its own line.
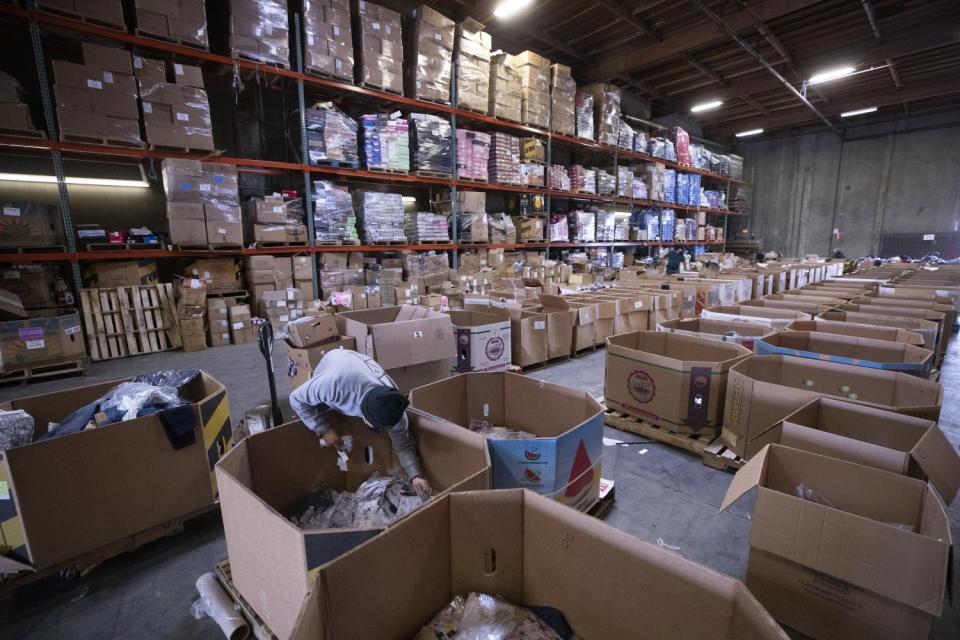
{"type": "Point", "coordinates": [130, 321]}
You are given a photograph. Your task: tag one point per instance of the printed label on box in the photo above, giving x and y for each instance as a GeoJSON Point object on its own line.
{"type": "Point", "coordinates": [282, 303]}
{"type": "Point", "coordinates": [186, 186]}
{"type": "Point", "coordinates": [30, 333]}
{"type": "Point", "coordinates": [35, 344]}
{"type": "Point", "coordinates": [376, 26]}
{"type": "Point", "coordinates": [147, 107]}
{"type": "Point", "coordinates": [72, 330]}
{"type": "Point", "coordinates": [221, 231]}
{"type": "Point", "coordinates": [539, 325]}
{"type": "Point", "coordinates": [278, 209]}
{"type": "Point", "coordinates": [178, 69]}
{"type": "Point", "coordinates": [11, 275]}
{"type": "Point", "coordinates": [137, 62]}
{"type": "Point", "coordinates": [237, 325]}
{"type": "Point", "coordinates": [204, 187]}
{"type": "Point", "coordinates": [182, 117]}
{"type": "Point", "coordinates": [108, 77]}
{"type": "Point", "coordinates": [4, 490]}
{"type": "Point", "coordinates": [309, 40]}
{"type": "Point", "coordinates": [291, 294]}
{"type": "Point", "coordinates": [418, 334]}
{"type": "Point", "coordinates": [11, 211]}
{"type": "Point", "coordinates": [638, 305]}
{"type": "Point", "coordinates": [218, 178]}
{"type": "Point", "coordinates": [94, 84]}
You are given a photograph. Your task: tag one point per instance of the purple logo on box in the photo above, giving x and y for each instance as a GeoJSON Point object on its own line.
{"type": "Point", "coordinates": [641, 386]}
{"type": "Point", "coordinates": [30, 333]}
{"type": "Point", "coordinates": [494, 348]}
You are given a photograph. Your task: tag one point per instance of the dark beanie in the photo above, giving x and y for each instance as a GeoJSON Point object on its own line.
{"type": "Point", "coordinates": [383, 406]}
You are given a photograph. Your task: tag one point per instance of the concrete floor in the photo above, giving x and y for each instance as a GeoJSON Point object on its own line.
{"type": "Point", "coordinates": [663, 495]}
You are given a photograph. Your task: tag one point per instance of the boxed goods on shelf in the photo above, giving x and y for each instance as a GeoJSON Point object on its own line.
{"type": "Point", "coordinates": [331, 135]}
{"type": "Point", "coordinates": [281, 306]}
{"type": "Point", "coordinates": [219, 275]}
{"type": "Point", "coordinates": [472, 227]}
{"type": "Point", "coordinates": [584, 116]}
{"type": "Point", "coordinates": [426, 227]}
{"type": "Point", "coordinates": [48, 337]}
{"type": "Point", "coordinates": [624, 182]}
{"type": "Point", "coordinates": [530, 229]}
{"type": "Point", "coordinates": [33, 284]}
{"type": "Point", "coordinates": [183, 21]}
{"type": "Point", "coordinates": [583, 226]}
{"type": "Point", "coordinates": [259, 31]}
{"type": "Point", "coordinates": [558, 229]}
{"type": "Point", "coordinates": [328, 41]}
{"type": "Point", "coordinates": [28, 224]}
{"type": "Point", "coordinates": [14, 112]}
{"type": "Point", "coordinates": [333, 216]}
{"type": "Point", "coordinates": [431, 142]}
{"type": "Point", "coordinates": [122, 273]}
{"type": "Point", "coordinates": [534, 72]}
{"type": "Point", "coordinates": [681, 143]}
{"type": "Point", "coordinates": [625, 136]}
{"type": "Point", "coordinates": [473, 66]}
{"type": "Point", "coordinates": [606, 109]}
{"type": "Point", "coordinates": [502, 230]}
{"type": "Point", "coordinates": [108, 12]}
{"type": "Point", "coordinates": [473, 154]}
{"type": "Point", "coordinates": [606, 183]}
{"type": "Point", "coordinates": [563, 92]}
{"type": "Point", "coordinates": [606, 225]}
{"type": "Point", "coordinates": [506, 93]}
{"type": "Point", "coordinates": [467, 202]}
{"type": "Point", "coordinates": [559, 180]}
{"type": "Point", "coordinates": [504, 163]}
{"type": "Point", "coordinates": [640, 140]}
{"type": "Point", "coordinates": [531, 175]}
{"type": "Point", "coordinates": [241, 324]}
{"type": "Point", "coordinates": [202, 200]}
{"type": "Point", "coordinates": [379, 216]}
{"type": "Point", "coordinates": [582, 180]}
{"type": "Point", "coordinates": [533, 150]}
{"type": "Point", "coordinates": [175, 114]}
{"type": "Point", "coordinates": [381, 47]}
{"type": "Point", "coordinates": [386, 141]}
{"type": "Point", "coordinates": [429, 71]}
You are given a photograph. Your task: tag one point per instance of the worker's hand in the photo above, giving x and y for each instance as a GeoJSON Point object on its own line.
{"type": "Point", "coordinates": [331, 438]}
{"type": "Point", "coordinates": [422, 485]}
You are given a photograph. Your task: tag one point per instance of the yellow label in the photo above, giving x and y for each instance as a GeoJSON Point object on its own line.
{"type": "Point", "coordinates": [4, 490]}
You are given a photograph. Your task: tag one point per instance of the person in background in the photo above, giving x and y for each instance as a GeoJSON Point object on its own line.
{"type": "Point", "coordinates": [674, 260]}
{"type": "Point", "coordinates": [355, 385]}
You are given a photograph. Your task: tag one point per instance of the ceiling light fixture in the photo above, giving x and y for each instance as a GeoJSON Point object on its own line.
{"type": "Point", "coordinates": [705, 106]}
{"type": "Point", "coordinates": [832, 74]}
{"type": "Point", "coordinates": [510, 8]}
{"type": "Point", "coordinates": [408, 198]}
{"type": "Point", "coordinates": [89, 182]}
{"type": "Point", "coordinates": [750, 132]}
{"type": "Point", "coordinates": [857, 112]}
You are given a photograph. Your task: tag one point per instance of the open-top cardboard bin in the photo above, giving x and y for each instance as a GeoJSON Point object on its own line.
{"type": "Point", "coordinates": [483, 341]}
{"type": "Point", "coordinates": [873, 437]}
{"type": "Point", "coordinates": [531, 551]}
{"type": "Point", "coordinates": [272, 560]}
{"type": "Point", "coordinates": [671, 380]}
{"type": "Point", "coordinates": [742, 333]}
{"type": "Point", "coordinates": [873, 564]}
{"type": "Point", "coordinates": [862, 352]}
{"type": "Point", "coordinates": [776, 318]}
{"type": "Point", "coordinates": [854, 330]}
{"type": "Point", "coordinates": [926, 328]}
{"type": "Point", "coordinates": [763, 390]}
{"type": "Point", "coordinates": [563, 462]}
{"type": "Point", "coordinates": [65, 497]}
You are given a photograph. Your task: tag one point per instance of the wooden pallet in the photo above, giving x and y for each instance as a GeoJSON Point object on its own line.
{"type": "Point", "coordinates": [54, 248]}
{"type": "Point", "coordinates": [335, 164]}
{"type": "Point", "coordinates": [329, 76]}
{"type": "Point", "coordinates": [167, 147]}
{"type": "Point", "coordinates": [433, 174]}
{"type": "Point", "coordinates": [24, 133]}
{"type": "Point", "coordinates": [106, 142]}
{"type": "Point", "coordinates": [207, 247]}
{"type": "Point", "coordinates": [387, 243]}
{"type": "Point", "coordinates": [130, 321]}
{"type": "Point", "coordinates": [258, 627]}
{"type": "Point", "coordinates": [718, 456]}
{"type": "Point", "coordinates": [165, 38]}
{"type": "Point", "coordinates": [474, 180]}
{"type": "Point", "coordinates": [389, 172]}
{"type": "Point", "coordinates": [370, 85]}
{"type": "Point", "coordinates": [28, 374]}
{"type": "Point", "coordinates": [107, 247]}
{"type": "Point", "coordinates": [267, 245]}
{"type": "Point", "coordinates": [337, 243]}
{"type": "Point", "coordinates": [482, 112]}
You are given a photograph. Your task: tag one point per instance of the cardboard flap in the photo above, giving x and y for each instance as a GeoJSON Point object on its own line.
{"type": "Point", "coordinates": [9, 566]}
{"type": "Point", "coordinates": [554, 302]}
{"type": "Point", "coordinates": [749, 476]}
{"type": "Point", "coordinates": [939, 461]}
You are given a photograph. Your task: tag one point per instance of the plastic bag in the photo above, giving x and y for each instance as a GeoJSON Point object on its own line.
{"type": "Point", "coordinates": [129, 398]}
{"type": "Point", "coordinates": [480, 616]}
{"type": "Point", "coordinates": [16, 429]}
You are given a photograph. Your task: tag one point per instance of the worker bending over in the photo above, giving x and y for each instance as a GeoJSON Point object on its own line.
{"type": "Point", "coordinates": [355, 385]}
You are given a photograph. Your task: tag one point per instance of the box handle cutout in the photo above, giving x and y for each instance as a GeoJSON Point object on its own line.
{"type": "Point", "coordinates": [490, 561]}
{"type": "Point", "coordinates": [368, 454]}
{"type": "Point", "coordinates": [486, 410]}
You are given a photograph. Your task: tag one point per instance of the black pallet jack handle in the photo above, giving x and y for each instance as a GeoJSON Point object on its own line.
{"type": "Point", "coordinates": [265, 342]}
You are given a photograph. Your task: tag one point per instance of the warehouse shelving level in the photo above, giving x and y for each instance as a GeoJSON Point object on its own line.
{"type": "Point", "coordinates": [36, 18]}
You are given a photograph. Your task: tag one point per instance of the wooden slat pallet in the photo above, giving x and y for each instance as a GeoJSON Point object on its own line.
{"type": "Point", "coordinates": [106, 142]}
{"type": "Point", "coordinates": [336, 164]}
{"type": "Point", "coordinates": [129, 321]}
{"type": "Point", "coordinates": [258, 627]}
{"type": "Point", "coordinates": [389, 172]}
{"type": "Point", "coordinates": [168, 147]}
{"type": "Point", "coordinates": [126, 246]}
{"type": "Point", "coordinates": [23, 133]}
{"type": "Point", "coordinates": [433, 174]}
{"type": "Point", "coordinates": [166, 38]}
{"type": "Point", "coordinates": [337, 243]}
{"type": "Point", "coordinates": [718, 456]}
{"type": "Point", "coordinates": [25, 375]}
{"type": "Point", "coordinates": [370, 85]}
{"type": "Point", "coordinates": [54, 248]}
{"type": "Point", "coordinates": [477, 180]}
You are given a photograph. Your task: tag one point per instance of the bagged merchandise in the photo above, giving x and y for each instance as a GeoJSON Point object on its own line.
{"type": "Point", "coordinates": [425, 227]}
{"type": "Point", "coordinates": [328, 41]}
{"type": "Point", "coordinates": [715, 199]}
{"type": "Point", "coordinates": [16, 429]}
{"type": "Point", "coordinates": [333, 217]}
{"type": "Point", "coordinates": [682, 194]}
{"type": "Point", "coordinates": [681, 142]}
{"type": "Point", "coordinates": [669, 185]}
{"type": "Point", "coordinates": [625, 136]}
{"type": "Point", "coordinates": [559, 180]}
{"type": "Point", "coordinates": [430, 143]}
{"type": "Point", "coordinates": [584, 108]}
{"type": "Point", "coordinates": [606, 226]}
{"type": "Point", "coordinates": [531, 175]}
{"type": "Point", "coordinates": [606, 108]}
{"type": "Point", "coordinates": [667, 217]}
{"type": "Point", "coordinates": [693, 198]}
{"type": "Point", "coordinates": [472, 227]}
{"type": "Point", "coordinates": [473, 154]}
{"type": "Point", "coordinates": [258, 31]}
{"type": "Point", "coordinates": [429, 75]}
{"type": "Point", "coordinates": [506, 93]}
{"type": "Point", "coordinates": [175, 114]}
{"type": "Point", "coordinates": [381, 47]}
{"type": "Point", "coordinates": [648, 219]}
{"type": "Point", "coordinates": [379, 216]}
{"type": "Point", "coordinates": [558, 229]}
{"type": "Point", "coordinates": [606, 183]}
{"type": "Point", "coordinates": [331, 135]}
{"type": "Point", "coordinates": [504, 159]}
{"type": "Point", "coordinates": [479, 616]}
{"type": "Point", "coordinates": [493, 432]}
{"type": "Point", "coordinates": [662, 148]}
{"type": "Point", "coordinates": [429, 268]}
{"type": "Point", "coordinates": [624, 182]}
{"type": "Point", "coordinates": [473, 65]}
{"type": "Point", "coordinates": [582, 226]}
{"type": "Point", "coordinates": [621, 229]}
{"type": "Point", "coordinates": [654, 176]}
{"type": "Point", "coordinates": [386, 141]}
{"type": "Point", "coordinates": [534, 71]}
{"type": "Point", "coordinates": [502, 229]}
{"type": "Point", "coordinates": [640, 141]}
{"type": "Point", "coordinates": [638, 189]}
{"type": "Point", "coordinates": [563, 97]}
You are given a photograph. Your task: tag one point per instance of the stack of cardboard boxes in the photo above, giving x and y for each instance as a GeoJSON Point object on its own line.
{"type": "Point", "coordinates": [303, 275]}
{"type": "Point", "coordinates": [534, 71]}
{"type": "Point", "coordinates": [14, 113]}
{"type": "Point", "coordinates": [218, 320]}
{"type": "Point", "coordinates": [98, 99]}
{"type": "Point", "coordinates": [259, 31]}
{"type": "Point", "coordinates": [241, 324]}
{"type": "Point", "coordinates": [267, 273]}
{"type": "Point", "coordinates": [183, 21]}
{"type": "Point", "coordinates": [109, 12]}
{"type": "Point", "coordinates": [606, 110]}
{"type": "Point", "coordinates": [28, 224]}
{"type": "Point", "coordinates": [473, 66]}
{"type": "Point", "coordinates": [192, 314]}
{"type": "Point", "coordinates": [329, 38]}
{"type": "Point", "coordinates": [431, 47]}
{"type": "Point", "coordinates": [281, 306]}
{"type": "Point", "coordinates": [203, 204]}
{"type": "Point", "coordinates": [309, 339]}
{"type": "Point", "coordinates": [175, 114]}
{"type": "Point", "coordinates": [270, 219]}
{"type": "Point", "coordinates": [219, 275]}
{"type": "Point", "coordinates": [380, 47]}
{"type": "Point", "coordinates": [563, 95]}
{"type": "Point", "coordinates": [506, 91]}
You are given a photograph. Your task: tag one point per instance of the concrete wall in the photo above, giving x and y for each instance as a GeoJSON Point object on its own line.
{"type": "Point", "coordinates": [896, 177]}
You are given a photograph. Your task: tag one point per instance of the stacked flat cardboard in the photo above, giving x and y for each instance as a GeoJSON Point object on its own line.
{"type": "Point", "coordinates": [14, 112]}
{"type": "Point", "coordinates": [430, 70]}
{"type": "Point", "coordinates": [563, 93]}
{"type": "Point", "coordinates": [506, 91]}
{"type": "Point", "coordinates": [183, 21]}
{"type": "Point", "coordinates": [175, 114]}
{"type": "Point", "coordinates": [203, 203]}
{"type": "Point", "coordinates": [259, 31]}
{"type": "Point", "coordinates": [473, 66]}
{"type": "Point", "coordinates": [534, 72]}
{"type": "Point", "coordinates": [328, 38]}
{"type": "Point", "coordinates": [380, 46]}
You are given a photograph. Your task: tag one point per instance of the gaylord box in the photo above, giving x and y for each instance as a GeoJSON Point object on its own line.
{"type": "Point", "coordinates": [273, 561]}
{"type": "Point", "coordinates": [890, 334]}
{"type": "Point", "coordinates": [483, 341]}
{"type": "Point", "coordinates": [531, 551]}
{"type": "Point", "coordinates": [78, 494]}
{"type": "Point", "coordinates": [562, 462]}
{"type": "Point", "coordinates": [841, 551]}
{"type": "Point", "coordinates": [302, 361]}
{"type": "Point", "coordinates": [743, 333]}
{"type": "Point", "coordinates": [861, 352]}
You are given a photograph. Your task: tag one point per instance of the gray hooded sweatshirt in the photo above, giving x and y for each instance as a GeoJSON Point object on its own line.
{"type": "Point", "coordinates": [340, 382]}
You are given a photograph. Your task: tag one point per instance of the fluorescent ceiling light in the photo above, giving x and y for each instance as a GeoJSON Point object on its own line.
{"type": "Point", "coordinates": [90, 182]}
{"type": "Point", "coordinates": [408, 199]}
{"type": "Point", "coordinates": [751, 132]}
{"type": "Point", "coordinates": [857, 112]}
{"type": "Point", "coordinates": [705, 106]}
{"type": "Point", "coordinates": [509, 8]}
{"type": "Point", "coordinates": [832, 74]}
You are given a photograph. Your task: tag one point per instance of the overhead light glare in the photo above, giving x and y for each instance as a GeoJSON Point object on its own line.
{"type": "Point", "coordinates": [510, 8]}
{"type": "Point", "coordinates": [89, 182]}
{"type": "Point", "coordinates": [751, 132]}
{"type": "Point", "coordinates": [408, 199]}
{"type": "Point", "coordinates": [857, 112]}
{"type": "Point", "coordinates": [832, 74]}
{"type": "Point", "coordinates": [706, 106]}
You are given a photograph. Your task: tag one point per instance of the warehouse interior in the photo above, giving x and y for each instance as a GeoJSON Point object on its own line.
{"type": "Point", "coordinates": [479, 319]}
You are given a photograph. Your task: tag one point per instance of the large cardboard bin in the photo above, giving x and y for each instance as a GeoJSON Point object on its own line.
{"type": "Point", "coordinates": [742, 333]}
{"type": "Point", "coordinates": [862, 352]}
{"type": "Point", "coordinates": [65, 497]}
{"type": "Point", "coordinates": [926, 328]}
{"type": "Point", "coordinates": [854, 330]}
{"type": "Point", "coordinates": [563, 462]}
{"type": "Point", "coordinates": [840, 551]}
{"type": "Point", "coordinates": [776, 318]}
{"type": "Point", "coordinates": [302, 361]}
{"type": "Point", "coordinates": [483, 341]}
{"type": "Point", "coordinates": [531, 551]}
{"type": "Point", "coordinates": [763, 390]}
{"type": "Point", "coordinates": [273, 561]}
{"type": "Point", "coordinates": [671, 380]}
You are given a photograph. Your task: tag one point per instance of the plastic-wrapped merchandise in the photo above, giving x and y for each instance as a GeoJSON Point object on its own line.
{"type": "Point", "coordinates": [624, 182]}
{"type": "Point", "coordinates": [472, 227]}
{"type": "Point", "coordinates": [184, 21]}
{"type": "Point", "coordinates": [473, 65]}
{"type": "Point", "coordinates": [271, 219]}
{"type": "Point", "coordinates": [431, 143]}
{"type": "Point", "coordinates": [681, 143]}
{"type": "Point", "coordinates": [621, 229]}
{"type": "Point", "coordinates": [506, 92]}
{"type": "Point", "coordinates": [563, 99]}
{"type": "Point", "coordinates": [583, 226]}
{"type": "Point", "coordinates": [386, 141]}
{"type": "Point", "coordinates": [625, 136]}
{"type": "Point", "coordinates": [333, 217]}
{"type": "Point", "coordinates": [606, 108]}
{"type": "Point", "coordinates": [716, 199]}
{"type": "Point", "coordinates": [559, 180]}
{"type": "Point", "coordinates": [558, 229]}
{"type": "Point", "coordinates": [426, 227]}
{"type": "Point", "coordinates": [682, 194]}
{"type": "Point", "coordinates": [606, 226]}
{"type": "Point", "coordinates": [328, 38]}
{"type": "Point", "coordinates": [531, 175]}
{"type": "Point", "coordinates": [584, 107]}
{"type": "Point", "coordinates": [582, 180]}
{"type": "Point", "coordinates": [432, 39]}
{"type": "Point", "coordinates": [502, 229]}
{"type": "Point", "coordinates": [647, 219]}
{"type": "Point", "coordinates": [381, 47]}
{"type": "Point", "coordinates": [430, 268]}
{"type": "Point", "coordinates": [258, 31]}
{"type": "Point", "coordinates": [638, 188]}
{"type": "Point", "coordinates": [669, 185]}
{"type": "Point", "coordinates": [606, 183]}
{"type": "Point", "coordinates": [654, 175]}
{"type": "Point", "coordinates": [534, 71]}
{"type": "Point", "coordinates": [378, 501]}
{"type": "Point", "coordinates": [504, 161]}
{"type": "Point", "coordinates": [473, 154]}
{"type": "Point", "coordinates": [16, 429]}
{"type": "Point", "coordinates": [331, 135]}
{"type": "Point", "coordinates": [694, 186]}
{"type": "Point", "coordinates": [379, 216]}
{"type": "Point", "coordinates": [479, 616]}
{"type": "Point", "coordinates": [640, 141]}
{"type": "Point", "coordinates": [667, 217]}
{"type": "Point", "coordinates": [175, 114]}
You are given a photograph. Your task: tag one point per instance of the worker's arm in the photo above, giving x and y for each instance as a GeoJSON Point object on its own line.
{"type": "Point", "coordinates": [307, 403]}
{"type": "Point", "coordinates": [405, 447]}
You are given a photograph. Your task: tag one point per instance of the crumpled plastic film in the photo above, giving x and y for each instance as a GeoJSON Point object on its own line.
{"type": "Point", "coordinates": [379, 501]}
{"type": "Point", "coordinates": [505, 93]}
{"type": "Point", "coordinates": [502, 229]}
{"type": "Point", "coordinates": [16, 429]}
{"type": "Point", "coordinates": [431, 143]}
{"type": "Point", "coordinates": [333, 216]}
{"type": "Point", "coordinates": [624, 182]}
{"type": "Point", "coordinates": [380, 216]}
{"type": "Point", "coordinates": [582, 226]}
{"type": "Point", "coordinates": [215, 604]}
{"type": "Point", "coordinates": [480, 616]}
{"type": "Point", "coordinates": [386, 141]}
{"type": "Point", "coordinates": [331, 135]}
{"type": "Point", "coordinates": [129, 398]}
{"type": "Point", "coordinates": [472, 227]}
{"type": "Point", "coordinates": [473, 65]}
{"type": "Point", "coordinates": [559, 180]}
{"type": "Point", "coordinates": [625, 136]}
{"type": "Point", "coordinates": [640, 141]}
{"type": "Point", "coordinates": [584, 107]}
{"type": "Point", "coordinates": [606, 183]}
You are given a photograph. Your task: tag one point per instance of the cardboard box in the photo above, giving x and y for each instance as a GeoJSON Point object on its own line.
{"type": "Point", "coordinates": [763, 390]}
{"type": "Point", "coordinates": [46, 338]}
{"type": "Point", "coordinates": [268, 472]}
{"type": "Point", "coordinates": [852, 329]}
{"type": "Point", "coordinates": [776, 318]}
{"type": "Point", "coordinates": [862, 352]}
{"type": "Point", "coordinates": [671, 380]}
{"type": "Point", "coordinates": [218, 320]}
{"type": "Point", "coordinates": [193, 328]}
{"type": "Point", "coordinates": [187, 232]}
{"type": "Point", "coordinates": [303, 360]}
{"type": "Point", "coordinates": [582, 314]}
{"type": "Point", "coordinates": [562, 463]}
{"type": "Point", "coordinates": [75, 494]}
{"type": "Point", "coordinates": [742, 333]}
{"type": "Point", "coordinates": [926, 328]}
{"type": "Point", "coordinates": [312, 330]}
{"type": "Point", "coordinates": [483, 341]}
{"type": "Point", "coordinates": [875, 438]}
{"type": "Point", "coordinates": [863, 554]}
{"type": "Point", "coordinates": [27, 224]}
{"type": "Point", "coordinates": [123, 273]}
{"type": "Point", "coordinates": [241, 324]}
{"type": "Point", "coordinates": [219, 274]}
{"type": "Point", "coordinates": [522, 530]}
